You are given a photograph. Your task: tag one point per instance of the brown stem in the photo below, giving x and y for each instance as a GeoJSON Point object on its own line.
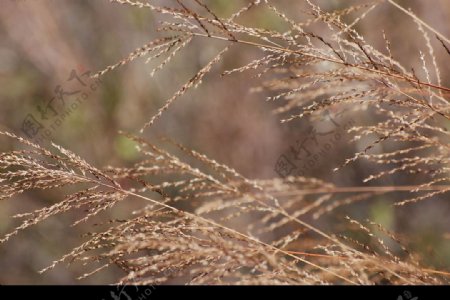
{"type": "Point", "coordinates": [403, 77]}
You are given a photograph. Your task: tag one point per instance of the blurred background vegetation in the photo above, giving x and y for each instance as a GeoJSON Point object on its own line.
{"type": "Point", "coordinates": [43, 43]}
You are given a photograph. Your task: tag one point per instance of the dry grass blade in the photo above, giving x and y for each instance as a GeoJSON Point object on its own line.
{"type": "Point", "coordinates": [192, 83]}
{"type": "Point", "coordinates": [203, 222]}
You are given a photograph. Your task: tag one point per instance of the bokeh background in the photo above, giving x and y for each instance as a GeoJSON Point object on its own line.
{"type": "Point", "coordinates": [44, 43]}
